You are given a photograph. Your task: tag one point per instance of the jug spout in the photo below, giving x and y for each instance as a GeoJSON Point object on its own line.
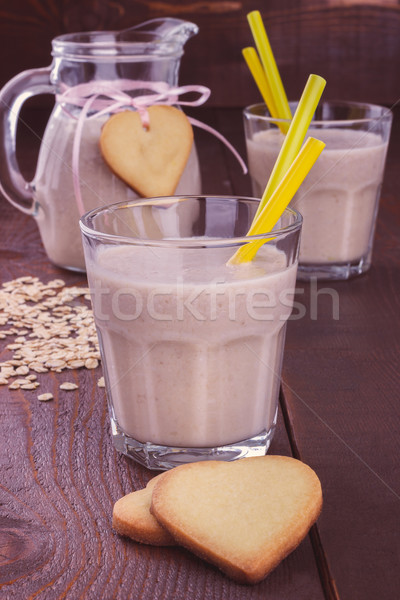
{"type": "Point", "coordinates": [163, 30]}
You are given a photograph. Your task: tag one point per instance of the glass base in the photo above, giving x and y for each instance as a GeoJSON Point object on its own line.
{"type": "Point", "coordinates": [332, 271]}
{"type": "Point", "coordinates": [73, 269]}
{"type": "Point", "coordinates": [159, 457]}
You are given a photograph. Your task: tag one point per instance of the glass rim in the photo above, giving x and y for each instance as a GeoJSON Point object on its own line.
{"type": "Point", "coordinates": [184, 242]}
{"type": "Point", "coordinates": [386, 113]}
{"type": "Point", "coordinates": [102, 45]}
{"type": "Point", "coordinates": [155, 39]}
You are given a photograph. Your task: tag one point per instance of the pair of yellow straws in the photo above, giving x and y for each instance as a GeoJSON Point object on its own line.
{"type": "Point", "coordinates": [279, 199]}
{"type": "Point", "coordinates": [265, 71]}
{"type": "Point", "coordinates": [293, 162]}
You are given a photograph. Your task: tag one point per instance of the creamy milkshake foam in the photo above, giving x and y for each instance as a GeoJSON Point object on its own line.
{"type": "Point", "coordinates": [338, 199]}
{"type": "Point", "coordinates": [182, 354]}
{"type": "Point", "coordinates": [58, 217]}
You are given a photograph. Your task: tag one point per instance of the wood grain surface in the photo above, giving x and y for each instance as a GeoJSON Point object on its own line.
{"type": "Point", "coordinates": [354, 45]}
{"type": "Point", "coordinates": [341, 386]}
{"type": "Point", "coordinates": [60, 474]}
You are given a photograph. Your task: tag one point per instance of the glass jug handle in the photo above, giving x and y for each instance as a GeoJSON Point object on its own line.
{"type": "Point", "coordinates": [14, 187]}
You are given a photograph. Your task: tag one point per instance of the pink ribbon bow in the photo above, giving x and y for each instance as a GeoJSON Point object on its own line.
{"type": "Point", "coordinates": [97, 98]}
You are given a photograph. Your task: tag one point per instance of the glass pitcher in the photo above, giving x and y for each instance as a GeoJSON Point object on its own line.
{"type": "Point", "coordinates": [149, 52]}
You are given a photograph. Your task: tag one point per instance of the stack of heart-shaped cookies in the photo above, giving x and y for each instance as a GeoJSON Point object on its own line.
{"type": "Point", "coordinates": [244, 516]}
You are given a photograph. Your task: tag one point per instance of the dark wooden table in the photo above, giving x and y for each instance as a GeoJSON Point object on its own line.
{"type": "Point", "coordinates": [60, 475]}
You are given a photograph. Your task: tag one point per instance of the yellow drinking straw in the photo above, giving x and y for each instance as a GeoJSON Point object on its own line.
{"type": "Point", "coordinates": [270, 67]}
{"type": "Point", "coordinates": [296, 134]}
{"type": "Point", "coordinates": [256, 69]}
{"type": "Point", "coordinates": [278, 201]}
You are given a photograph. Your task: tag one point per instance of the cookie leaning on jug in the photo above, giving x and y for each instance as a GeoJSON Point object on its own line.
{"type": "Point", "coordinates": [149, 158]}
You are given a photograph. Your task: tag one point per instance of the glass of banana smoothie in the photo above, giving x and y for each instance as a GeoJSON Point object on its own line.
{"type": "Point", "coordinates": [339, 200]}
{"type": "Point", "coordinates": [191, 346]}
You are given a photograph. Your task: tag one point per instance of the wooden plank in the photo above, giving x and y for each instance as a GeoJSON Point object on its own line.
{"type": "Point", "coordinates": [60, 475]}
{"type": "Point", "coordinates": [341, 401]}
{"type": "Point", "coordinates": [60, 479]}
{"type": "Point", "coordinates": [341, 385]}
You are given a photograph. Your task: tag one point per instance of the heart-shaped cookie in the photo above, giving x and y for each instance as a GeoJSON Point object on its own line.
{"type": "Point", "coordinates": [150, 160]}
{"type": "Point", "coordinates": [132, 517]}
{"type": "Point", "coordinates": [244, 516]}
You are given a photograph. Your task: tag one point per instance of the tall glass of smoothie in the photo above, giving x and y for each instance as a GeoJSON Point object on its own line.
{"type": "Point", "coordinates": [191, 346]}
{"type": "Point", "coordinates": [339, 200]}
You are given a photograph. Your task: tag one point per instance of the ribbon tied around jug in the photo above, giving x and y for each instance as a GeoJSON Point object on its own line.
{"type": "Point", "coordinates": [98, 98]}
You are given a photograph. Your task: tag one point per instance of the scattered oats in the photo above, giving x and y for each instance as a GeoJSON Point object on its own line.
{"type": "Point", "coordinates": [76, 364]}
{"type": "Point", "coordinates": [28, 386]}
{"type": "Point", "coordinates": [21, 381]}
{"type": "Point", "coordinates": [8, 372]}
{"type": "Point", "coordinates": [91, 363]}
{"type": "Point", "coordinates": [101, 383]}
{"type": "Point", "coordinates": [39, 369]}
{"type": "Point", "coordinates": [45, 397]}
{"type": "Point", "coordinates": [40, 360]}
{"type": "Point", "coordinates": [55, 364]}
{"type": "Point", "coordinates": [68, 386]}
{"type": "Point", "coordinates": [22, 279]}
{"type": "Point", "coordinates": [67, 297]}
{"type": "Point", "coordinates": [13, 386]}
{"type": "Point", "coordinates": [52, 328]}
{"type": "Point", "coordinates": [56, 283]}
